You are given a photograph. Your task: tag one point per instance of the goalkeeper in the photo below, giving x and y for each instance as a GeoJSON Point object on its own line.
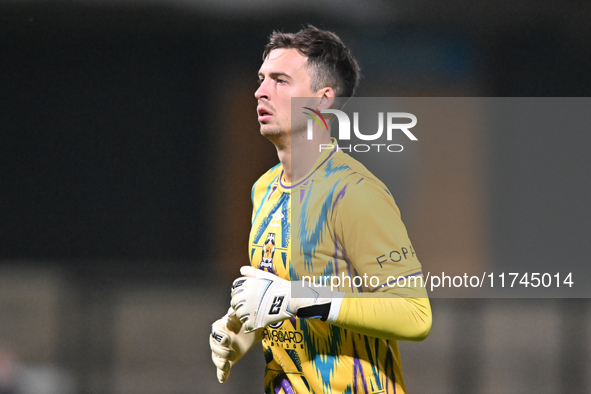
{"type": "Point", "coordinates": [317, 340]}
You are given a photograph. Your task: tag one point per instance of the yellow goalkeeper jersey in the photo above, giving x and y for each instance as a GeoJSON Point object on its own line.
{"type": "Point", "coordinates": [339, 220]}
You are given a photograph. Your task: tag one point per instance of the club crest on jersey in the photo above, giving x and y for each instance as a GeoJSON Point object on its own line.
{"type": "Point", "coordinates": [268, 252]}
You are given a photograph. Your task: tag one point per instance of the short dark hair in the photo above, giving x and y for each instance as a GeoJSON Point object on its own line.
{"type": "Point", "coordinates": [331, 62]}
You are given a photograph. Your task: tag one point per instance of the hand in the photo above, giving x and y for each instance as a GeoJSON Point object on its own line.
{"type": "Point", "coordinates": [261, 298]}
{"type": "Point", "coordinates": [228, 343]}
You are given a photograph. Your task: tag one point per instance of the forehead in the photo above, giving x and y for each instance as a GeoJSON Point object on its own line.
{"type": "Point", "coordinates": [285, 61]}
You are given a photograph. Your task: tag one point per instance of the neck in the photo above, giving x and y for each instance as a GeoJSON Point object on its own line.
{"type": "Point", "coordinates": [299, 154]}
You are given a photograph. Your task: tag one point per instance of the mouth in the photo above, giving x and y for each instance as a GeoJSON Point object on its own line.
{"type": "Point", "coordinates": [264, 114]}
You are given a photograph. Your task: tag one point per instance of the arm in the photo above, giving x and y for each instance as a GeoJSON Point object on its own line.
{"type": "Point", "coordinates": [261, 298]}
{"type": "Point", "coordinates": [388, 316]}
{"type": "Point", "coordinates": [374, 239]}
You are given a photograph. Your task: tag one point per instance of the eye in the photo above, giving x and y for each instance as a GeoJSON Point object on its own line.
{"type": "Point", "coordinates": [279, 80]}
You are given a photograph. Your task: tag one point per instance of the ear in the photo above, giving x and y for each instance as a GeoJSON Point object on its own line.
{"type": "Point", "coordinates": [326, 98]}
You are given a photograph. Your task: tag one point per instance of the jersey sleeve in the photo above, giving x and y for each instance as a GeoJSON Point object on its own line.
{"type": "Point", "coordinates": [370, 230]}
{"type": "Point", "coordinates": [388, 316]}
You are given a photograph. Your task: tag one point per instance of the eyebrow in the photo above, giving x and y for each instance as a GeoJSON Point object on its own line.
{"type": "Point", "coordinates": [276, 74]}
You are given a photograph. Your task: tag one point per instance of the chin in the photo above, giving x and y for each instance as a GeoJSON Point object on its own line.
{"type": "Point", "coordinates": [270, 131]}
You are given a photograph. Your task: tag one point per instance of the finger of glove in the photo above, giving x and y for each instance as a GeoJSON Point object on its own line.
{"type": "Point", "coordinates": [252, 272]}
{"type": "Point", "coordinates": [233, 324]}
{"type": "Point", "coordinates": [221, 363]}
{"type": "Point", "coordinates": [242, 314]}
{"type": "Point", "coordinates": [238, 296]}
{"type": "Point", "coordinates": [223, 376]}
{"type": "Point", "coordinates": [237, 284]}
{"type": "Point", "coordinates": [236, 302]}
{"type": "Point", "coordinates": [249, 326]}
{"type": "Point", "coordinates": [222, 351]}
{"type": "Point", "coordinates": [219, 333]}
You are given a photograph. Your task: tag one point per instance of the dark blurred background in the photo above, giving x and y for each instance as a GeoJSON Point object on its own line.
{"type": "Point", "coordinates": [129, 144]}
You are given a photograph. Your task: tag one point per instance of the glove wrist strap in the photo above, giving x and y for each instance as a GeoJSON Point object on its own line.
{"type": "Point", "coordinates": [318, 311]}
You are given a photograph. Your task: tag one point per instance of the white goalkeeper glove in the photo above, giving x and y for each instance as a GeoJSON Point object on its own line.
{"type": "Point", "coordinates": [229, 342]}
{"type": "Point", "coordinates": [261, 298]}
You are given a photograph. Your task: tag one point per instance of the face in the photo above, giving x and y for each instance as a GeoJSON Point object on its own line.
{"type": "Point", "coordinates": [283, 75]}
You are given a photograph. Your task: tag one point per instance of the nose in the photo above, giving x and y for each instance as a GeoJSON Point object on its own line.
{"type": "Point", "coordinates": [261, 92]}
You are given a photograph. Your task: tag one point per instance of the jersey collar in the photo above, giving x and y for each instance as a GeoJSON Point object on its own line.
{"type": "Point", "coordinates": [322, 159]}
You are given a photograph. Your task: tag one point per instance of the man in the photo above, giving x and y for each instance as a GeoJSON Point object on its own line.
{"type": "Point", "coordinates": [320, 213]}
